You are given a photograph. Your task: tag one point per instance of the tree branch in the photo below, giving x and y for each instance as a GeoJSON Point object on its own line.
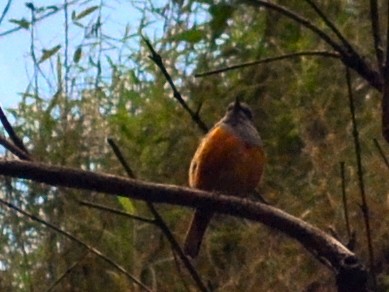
{"type": "Point", "coordinates": [299, 19]}
{"type": "Point", "coordinates": [160, 223]}
{"type": "Point", "coordinates": [271, 59]}
{"type": "Point", "coordinates": [385, 93]}
{"type": "Point", "coordinates": [325, 246]}
{"type": "Point", "coordinates": [386, 65]}
{"type": "Point", "coordinates": [364, 205]}
{"type": "Point", "coordinates": [349, 57]}
{"type": "Point", "coordinates": [11, 133]}
{"type": "Point", "coordinates": [67, 272]}
{"type": "Point", "coordinates": [344, 199]}
{"type": "Point", "coordinates": [157, 59]}
{"type": "Point", "coordinates": [38, 19]}
{"type": "Point", "coordinates": [116, 212]}
{"type": "Point", "coordinates": [5, 10]}
{"type": "Point", "coordinates": [375, 25]}
{"type": "Point", "coordinates": [381, 151]}
{"type": "Point", "coordinates": [331, 25]}
{"type": "Point", "coordinates": [13, 149]}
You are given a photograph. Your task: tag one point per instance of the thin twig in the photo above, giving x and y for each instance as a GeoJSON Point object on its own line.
{"type": "Point", "coordinates": [100, 42]}
{"type": "Point", "coordinates": [375, 25]}
{"type": "Point", "coordinates": [385, 107]}
{"type": "Point", "coordinates": [385, 95]}
{"type": "Point", "coordinates": [75, 264]}
{"type": "Point", "coordinates": [157, 59]}
{"type": "Point", "coordinates": [38, 19]}
{"type": "Point", "coordinates": [36, 69]}
{"type": "Point", "coordinates": [15, 150]}
{"type": "Point", "coordinates": [11, 133]}
{"type": "Point", "coordinates": [271, 59]}
{"type": "Point", "coordinates": [382, 153]}
{"type": "Point", "coordinates": [364, 206]}
{"type": "Point", "coordinates": [121, 158]}
{"type": "Point", "coordinates": [386, 66]}
{"type": "Point", "coordinates": [177, 248]}
{"type": "Point", "coordinates": [180, 272]}
{"type": "Point", "coordinates": [162, 225]}
{"type": "Point", "coordinates": [67, 272]}
{"type": "Point", "coordinates": [117, 212]}
{"type": "Point", "coordinates": [299, 19]}
{"type": "Point", "coordinates": [5, 10]}
{"type": "Point", "coordinates": [66, 53]}
{"type": "Point", "coordinates": [75, 239]}
{"type": "Point", "coordinates": [344, 199]}
{"type": "Point", "coordinates": [331, 25]}
{"type": "Point", "coordinates": [350, 58]}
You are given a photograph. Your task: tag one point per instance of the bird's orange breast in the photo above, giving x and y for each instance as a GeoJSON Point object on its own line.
{"type": "Point", "coordinates": [225, 163]}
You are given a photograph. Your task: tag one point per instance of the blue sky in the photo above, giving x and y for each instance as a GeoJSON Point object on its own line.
{"type": "Point", "coordinates": [15, 60]}
{"type": "Point", "coordinates": [12, 50]}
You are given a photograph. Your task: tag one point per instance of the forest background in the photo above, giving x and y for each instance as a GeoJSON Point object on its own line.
{"type": "Point", "coordinates": [90, 85]}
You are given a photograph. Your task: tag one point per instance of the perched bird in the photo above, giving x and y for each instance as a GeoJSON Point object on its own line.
{"type": "Point", "coordinates": [229, 160]}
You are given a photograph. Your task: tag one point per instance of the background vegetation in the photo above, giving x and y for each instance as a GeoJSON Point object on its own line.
{"type": "Point", "coordinates": [83, 92]}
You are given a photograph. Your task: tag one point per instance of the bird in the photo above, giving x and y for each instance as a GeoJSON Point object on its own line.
{"type": "Point", "coordinates": [230, 160]}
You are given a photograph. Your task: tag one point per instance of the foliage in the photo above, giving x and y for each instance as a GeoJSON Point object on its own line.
{"type": "Point", "coordinates": [302, 113]}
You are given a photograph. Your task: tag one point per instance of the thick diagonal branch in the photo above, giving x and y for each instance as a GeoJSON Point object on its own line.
{"type": "Point", "coordinates": [309, 236]}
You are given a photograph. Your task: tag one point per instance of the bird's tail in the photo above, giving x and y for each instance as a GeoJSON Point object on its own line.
{"type": "Point", "coordinates": [196, 231]}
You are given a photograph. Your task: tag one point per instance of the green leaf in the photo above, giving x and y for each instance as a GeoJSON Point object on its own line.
{"type": "Point", "coordinates": [85, 12]}
{"type": "Point", "coordinates": [127, 205]}
{"type": "Point", "coordinates": [46, 54]}
{"type": "Point", "coordinates": [193, 35]}
{"type": "Point", "coordinates": [77, 55]}
{"type": "Point", "coordinates": [52, 7]}
{"type": "Point", "coordinates": [23, 23]}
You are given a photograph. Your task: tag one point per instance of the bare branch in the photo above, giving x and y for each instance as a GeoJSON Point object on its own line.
{"type": "Point", "coordinates": [375, 25]}
{"type": "Point", "coordinates": [331, 25]}
{"type": "Point", "coordinates": [121, 158]}
{"type": "Point", "coordinates": [158, 220]}
{"type": "Point", "coordinates": [5, 11]}
{"type": "Point", "coordinates": [344, 199]}
{"type": "Point", "coordinates": [271, 59]}
{"type": "Point", "coordinates": [157, 59]}
{"type": "Point", "coordinates": [67, 272]}
{"type": "Point", "coordinates": [385, 93]}
{"type": "Point", "coordinates": [301, 20]}
{"type": "Point", "coordinates": [350, 58]}
{"type": "Point", "coordinates": [75, 239]}
{"type": "Point", "coordinates": [385, 107]}
{"type": "Point", "coordinates": [386, 66]}
{"type": "Point", "coordinates": [15, 150]}
{"type": "Point", "coordinates": [117, 212]}
{"type": "Point", "coordinates": [364, 206]}
{"type": "Point", "coordinates": [38, 19]}
{"type": "Point", "coordinates": [381, 151]}
{"type": "Point", "coordinates": [11, 133]}
{"type": "Point", "coordinates": [66, 57]}
{"type": "Point", "coordinates": [309, 236]}
{"type": "Point", "coordinates": [177, 248]}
